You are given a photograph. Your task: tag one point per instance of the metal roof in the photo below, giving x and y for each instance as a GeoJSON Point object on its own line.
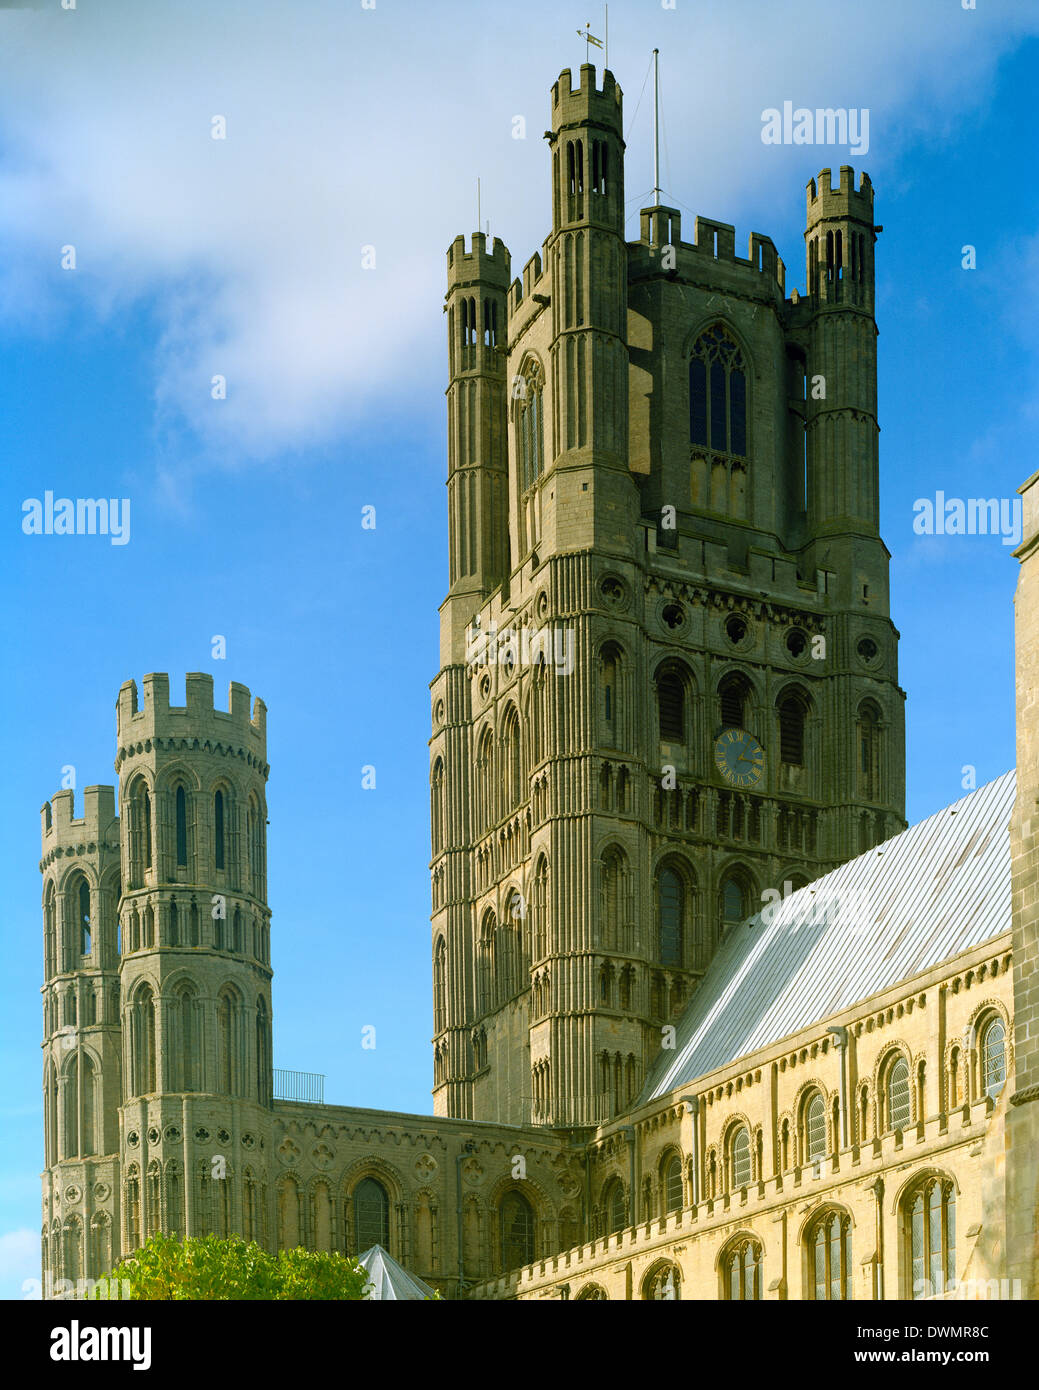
{"type": "Point", "coordinates": [920, 898]}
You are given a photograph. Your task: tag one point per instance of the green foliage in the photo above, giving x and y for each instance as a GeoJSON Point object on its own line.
{"type": "Point", "coordinates": [209, 1267]}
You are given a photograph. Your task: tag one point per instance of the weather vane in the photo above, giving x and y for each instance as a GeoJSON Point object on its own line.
{"type": "Point", "coordinates": [589, 39]}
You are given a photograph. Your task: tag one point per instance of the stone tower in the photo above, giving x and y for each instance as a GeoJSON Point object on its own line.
{"type": "Point", "coordinates": [195, 969]}
{"type": "Point", "coordinates": [682, 691]}
{"type": "Point", "coordinates": [1022, 1124]}
{"type": "Point", "coordinates": [82, 1088]}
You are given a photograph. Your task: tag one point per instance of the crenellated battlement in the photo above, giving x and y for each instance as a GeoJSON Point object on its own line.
{"type": "Point", "coordinates": [845, 201]}
{"type": "Point", "coordinates": [585, 103]}
{"type": "Point", "coordinates": [661, 226]}
{"type": "Point", "coordinates": [155, 717]}
{"type": "Point", "coordinates": [60, 829]}
{"type": "Point", "coordinates": [478, 266]}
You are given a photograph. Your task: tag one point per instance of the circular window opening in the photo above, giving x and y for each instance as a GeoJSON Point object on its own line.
{"type": "Point", "coordinates": [796, 642]}
{"type": "Point", "coordinates": [485, 687]}
{"type": "Point", "coordinates": [867, 649]}
{"type": "Point", "coordinates": [735, 630]}
{"type": "Point", "coordinates": [673, 616]}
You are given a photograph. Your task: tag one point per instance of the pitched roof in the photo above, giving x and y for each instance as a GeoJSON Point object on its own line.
{"type": "Point", "coordinates": [922, 897]}
{"type": "Point", "coordinates": [390, 1279]}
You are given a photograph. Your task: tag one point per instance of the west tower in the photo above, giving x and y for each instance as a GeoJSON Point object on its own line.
{"type": "Point", "coordinates": [694, 567]}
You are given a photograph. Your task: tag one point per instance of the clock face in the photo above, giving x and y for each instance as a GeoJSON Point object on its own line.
{"type": "Point", "coordinates": [739, 757]}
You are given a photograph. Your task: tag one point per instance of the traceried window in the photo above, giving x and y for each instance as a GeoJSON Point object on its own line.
{"type": "Point", "coordinates": [615, 1205]}
{"type": "Point", "coordinates": [929, 1217]}
{"type": "Point", "coordinates": [829, 1254]}
{"type": "Point", "coordinates": [663, 1283]}
{"type": "Point", "coordinates": [517, 1231]}
{"type": "Point", "coordinates": [741, 1271]}
{"type": "Point", "coordinates": [993, 1057]}
{"type": "Point", "coordinates": [371, 1215]}
{"type": "Point", "coordinates": [718, 393]}
{"type": "Point", "coordinates": [530, 427]}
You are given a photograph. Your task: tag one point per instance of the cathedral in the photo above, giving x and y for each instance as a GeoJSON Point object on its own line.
{"type": "Point", "coordinates": [709, 1021]}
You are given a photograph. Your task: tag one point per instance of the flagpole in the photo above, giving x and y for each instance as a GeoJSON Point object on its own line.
{"type": "Point", "coordinates": [656, 126]}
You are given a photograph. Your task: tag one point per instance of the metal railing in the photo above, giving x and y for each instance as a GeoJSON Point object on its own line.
{"type": "Point", "coordinates": [305, 1086]}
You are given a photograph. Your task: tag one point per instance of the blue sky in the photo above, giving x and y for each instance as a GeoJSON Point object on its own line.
{"type": "Point", "coordinates": [350, 128]}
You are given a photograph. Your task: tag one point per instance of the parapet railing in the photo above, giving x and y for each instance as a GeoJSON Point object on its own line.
{"type": "Point", "coordinates": [305, 1086]}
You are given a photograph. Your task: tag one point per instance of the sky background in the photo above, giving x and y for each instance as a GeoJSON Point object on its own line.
{"type": "Point", "coordinates": [349, 128]}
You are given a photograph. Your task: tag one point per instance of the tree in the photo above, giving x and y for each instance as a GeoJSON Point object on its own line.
{"type": "Point", "coordinates": [209, 1267]}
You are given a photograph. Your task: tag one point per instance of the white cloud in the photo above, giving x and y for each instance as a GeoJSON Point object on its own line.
{"type": "Point", "coordinates": [19, 1262]}
{"type": "Point", "coordinates": [348, 127]}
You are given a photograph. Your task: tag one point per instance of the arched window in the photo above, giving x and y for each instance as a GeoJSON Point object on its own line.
{"type": "Point", "coordinates": [867, 732]}
{"type": "Point", "coordinates": [174, 937]}
{"type": "Point", "coordinates": [814, 1137]}
{"type": "Point", "coordinates": [718, 393]}
{"type": "Point", "coordinates": [733, 694]}
{"type": "Point", "coordinates": [257, 856]}
{"type": "Point", "coordinates": [439, 986]}
{"type": "Point", "coordinates": [517, 1231]}
{"type": "Point", "coordinates": [612, 881]}
{"type": "Point", "coordinates": [899, 1102]}
{"type": "Point", "coordinates": [436, 807]}
{"type": "Point", "coordinates": [530, 428]}
{"type": "Point", "coordinates": [263, 1054]}
{"type": "Point", "coordinates": [671, 705]}
{"type": "Point", "coordinates": [146, 808]}
{"type": "Point", "coordinates": [792, 716]}
{"type": "Point", "coordinates": [142, 1041]}
{"type": "Point", "coordinates": [485, 973]}
{"type": "Point", "coordinates": [828, 1244]}
{"type": "Point", "coordinates": [182, 826]}
{"type": "Point", "coordinates": [371, 1215]}
{"type": "Point", "coordinates": [663, 1283]}
{"type": "Point", "coordinates": [84, 918]}
{"type": "Point", "coordinates": [511, 760]}
{"type": "Point", "coordinates": [186, 1041]}
{"type": "Point", "coordinates": [227, 1033]}
{"type": "Point", "coordinates": [50, 1113]}
{"type": "Point", "coordinates": [590, 1293]}
{"type": "Point", "coordinates": [615, 1207]}
{"type": "Point", "coordinates": [734, 902]}
{"type": "Point", "coordinates": [670, 916]}
{"type": "Point", "coordinates": [739, 1157]}
{"type": "Point", "coordinates": [540, 909]}
{"type": "Point", "coordinates": [485, 781]}
{"type": "Point", "coordinates": [671, 1183]}
{"type": "Point", "coordinates": [50, 929]}
{"type": "Point", "coordinates": [218, 830]}
{"type": "Point", "coordinates": [993, 1057]}
{"type": "Point", "coordinates": [741, 1270]}
{"type": "Point", "coordinates": [929, 1217]}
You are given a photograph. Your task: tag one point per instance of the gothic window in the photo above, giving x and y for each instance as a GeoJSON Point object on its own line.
{"type": "Point", "coordinates": [574, 167]}
{"type": "Point", "coordinates": [828, 1242]}
{"type": "Point", "coordinates": [735, 905]}
{"type": "Point", "coordinates": [615, 1206]}
{"type": "Point", "coordinates": [663, 1283]}
{"type": "Point", "coordinates": [50, 1112]}
{"type": "Point", "coordinates": [181, 815]}
{"type": "Point", "coordinates": [530, 427]}
{"type": "Point", "coordinates": [792, 718]}
{"type": "Point", "coordinates": [742, 1270]}
{"type": "Point", "coordinates": [613, 878]}
{"type": "Point", "coordinates": [485, 966]}
{"type": "Point", "coordinates": [227, 1034]}
{"type": "Point", "coordinates": [436, 807]}
{"type": "Point", "coordinates": [142, 1041]}
{"type": "Point", "coordinates": [50, 929]}
{"type": "Point", "coordinates": [732, 700]}
{"type": "Point", "coordinates": [599, 166]}
{"type": "Point", "coordinates": [718, 394]}
{"type": "Point", "coordinates": [540, 906]}
{"type": "Point", "coordinates": [219, 838]}
{"type": "Point", "coordinates": [608, 690]}
{"type": "Point", "coordinates": [993, 1057]}
{"type": "Point", "coordinates": [84, 917]}
{"type": "Point", "coordinates": [439, 986]}
{"type": "Point", "coordinates": [146, 812]}
{"type": "Point", "coordinates": [929, 1234]}
{"type": "Point", "coordinates": [867, 732]}
{"type": "Point", "coordinates": [511, 760]}
{"type": "Point", "coordinates": [671, 705]}
{"type": "Point", "coordinates": [186, 1043]}
{"type": "Point", "coordinates": [236, 931]}
{"type": "Point", "coordinates": [485, 781]}
{"type": "Point", "coordinates": [813, 1138]}
{"type": "Point", "coordinates": [263, 1054]}
{"type": "Point", "coordinates": [671, 1177]}
{"type": "Point", "coordinates": [517, 1231]}
{"type": "Point", "coordinates": [371, 1215]}
{"type": "Point", "coordinates": [490, 323]}
{"type": "Point", "coordinates": [670, 915]}
{"type": "Point", "coordinates": [256, 821]}
{"type": "Point", "coordinates": [174, 935]}
{"type": "Point", "coordinates": [739, 1157]}
{"type": "Point", "coordinates": [896, 1085]}
{"type": "Point", "coordinates": [592, 1292]}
